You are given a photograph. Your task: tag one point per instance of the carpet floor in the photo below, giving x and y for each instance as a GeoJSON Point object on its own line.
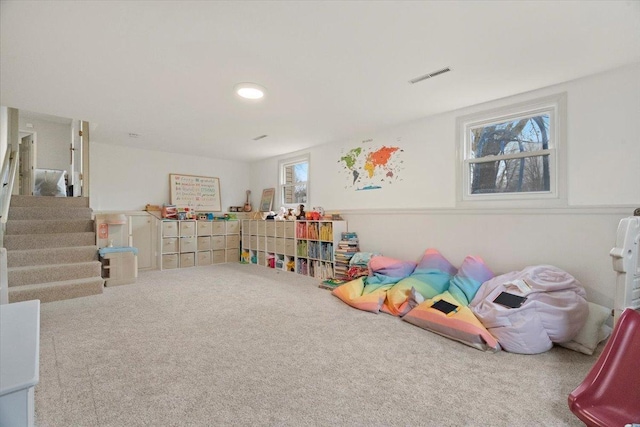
{"type": "Point", "coordinates": [243, 345]}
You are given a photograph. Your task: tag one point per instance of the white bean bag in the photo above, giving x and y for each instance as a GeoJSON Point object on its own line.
{"type": "Point", "coordinates": [555, 309]}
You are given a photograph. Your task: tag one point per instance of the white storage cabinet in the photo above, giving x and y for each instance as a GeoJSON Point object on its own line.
{"type": "Point", "coordinates": [189, 243]}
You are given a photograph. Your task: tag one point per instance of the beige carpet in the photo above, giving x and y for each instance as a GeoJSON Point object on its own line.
{"type": "Point", "coordinates": [245, 345]}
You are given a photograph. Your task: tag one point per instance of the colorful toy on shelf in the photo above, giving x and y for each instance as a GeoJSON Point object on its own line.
{"type": "Point", "coordinates": [301, 213]}
{"type": "Point", "coordinates": [169, 211]}
{"type": "Point", "coordinates": [282, 214]}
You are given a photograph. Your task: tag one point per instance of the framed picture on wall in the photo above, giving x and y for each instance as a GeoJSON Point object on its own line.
{"type": "Point", "coordinates": [199, 193]}
{"type": "Point", "coordinates": [266, 202]}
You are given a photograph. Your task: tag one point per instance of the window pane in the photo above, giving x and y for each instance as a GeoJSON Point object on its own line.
{"type": "Point", "coordinates": [294, 181]}
{"type": "Point", "coordinates": [287, 194]}
{"type": "Point", "coordinates": [526, 134]}
{"type": "Point", "coordinates": [296, 173]}
{"type": "Point", "coordinates": [295, 194]}
{"type": "Point", "coordinates": [511, 176]}
{"type": "Point", "coordinates": [301, 194]}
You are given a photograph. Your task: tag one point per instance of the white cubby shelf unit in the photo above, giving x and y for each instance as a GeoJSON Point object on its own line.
{"type": "Point", "coordinates": [190, 243]}
{"type": "Point", "coordinates": [304, 247]}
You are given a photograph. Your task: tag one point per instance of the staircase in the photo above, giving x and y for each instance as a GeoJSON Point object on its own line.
{"type": "Point", "coordinates": [51, 249]}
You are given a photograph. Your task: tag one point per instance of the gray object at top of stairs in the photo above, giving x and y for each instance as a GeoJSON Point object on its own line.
{"type": "Point", "coordinates": [51, 250]}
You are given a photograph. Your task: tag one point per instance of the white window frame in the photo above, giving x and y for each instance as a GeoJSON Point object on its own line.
{"type": "Point", "coordinates": [282, 164]}
{"type": "Point", "coordinates": [555, 106]}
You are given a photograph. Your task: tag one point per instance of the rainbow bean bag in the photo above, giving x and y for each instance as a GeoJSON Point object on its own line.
{"type": "Point", "coordinates": [368, 293]}
{"type": "Point", "coordinates": [352, 294]}
{"type": "Point", "coordinates": [472, 274]}
{"type": "Point", "coordinates": [430, 278]}
{"type": "Point", "coordinates": [460, 325]}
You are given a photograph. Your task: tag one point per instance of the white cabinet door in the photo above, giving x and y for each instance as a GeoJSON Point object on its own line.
{"type": "Point", "coordinates": [143, 237]}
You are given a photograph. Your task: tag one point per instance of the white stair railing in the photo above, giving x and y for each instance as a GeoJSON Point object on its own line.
{"type": "Point", "coordinates": [4, 280]}
{"type": "Point", "coordinates": [7, 178]}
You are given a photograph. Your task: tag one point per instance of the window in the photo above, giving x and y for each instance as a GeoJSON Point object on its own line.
{"type": "Point", "coordinates": [512, 153]}
{"type": "Point", "coordinates": [294, 181]}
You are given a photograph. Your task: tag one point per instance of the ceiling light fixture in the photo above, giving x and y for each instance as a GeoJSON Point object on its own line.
{"type": "Point", "coordinates": [250, 91]}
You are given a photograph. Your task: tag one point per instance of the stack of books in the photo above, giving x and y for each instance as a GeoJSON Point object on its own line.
{"type": "Point", "coordinates": [347, 247]}
{"type": "Point", "coordinates": [331, 284]}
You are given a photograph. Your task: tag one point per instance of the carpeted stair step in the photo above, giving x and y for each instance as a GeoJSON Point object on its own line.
{"type": "Point", "coordinates": [51, 249]}
{"type": "Point", "coordinates": [48, 226]}
{"type": "Point", "coordinates": [20, 276]}
{"type": "Point", "coordinates": [56, 291]}
{"type": "Point", "coordinates": [51, 240]}
{"type": "Point", "coordinates": [26, 257]}
{"type": "Point", "coordinates": [42, 201]}
{"type": "Point", "coordinates": [49, 212]}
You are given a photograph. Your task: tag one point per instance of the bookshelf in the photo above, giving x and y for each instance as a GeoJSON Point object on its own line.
{"type": "Point", "coordinates": [303, 247]}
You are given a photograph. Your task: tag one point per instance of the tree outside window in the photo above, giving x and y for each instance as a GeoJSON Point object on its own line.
{"type": "Point", "coordinates": [512, 153]}
{"type": "Point", "coordinates": [511, 156]}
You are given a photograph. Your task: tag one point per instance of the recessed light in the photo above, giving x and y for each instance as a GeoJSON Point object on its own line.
{"type": "Point", "coordinates": [250, 91]}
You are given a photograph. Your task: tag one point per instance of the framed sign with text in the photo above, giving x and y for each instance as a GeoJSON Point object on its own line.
{"type": "Point", "coordinates": [198, 193]}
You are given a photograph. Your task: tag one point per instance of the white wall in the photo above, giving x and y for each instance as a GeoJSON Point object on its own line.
{"type": "Point", "coordinates": [4, 131]}
{"type": "Point", "coordinates": [418, 212]}
{"type": "Point", "coordinates": [126, 179]}
{"type": "Point", "coordinates": [602, 165]}
{"type": "Point", "coordinates": [53, 142]}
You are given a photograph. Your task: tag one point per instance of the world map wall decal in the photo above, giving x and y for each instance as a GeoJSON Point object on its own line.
{"type": "Point", "coordinates": [371, 167]}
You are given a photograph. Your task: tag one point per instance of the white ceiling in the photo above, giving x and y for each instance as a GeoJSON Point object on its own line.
{"type": "Point", "coordinates": [333, 70]}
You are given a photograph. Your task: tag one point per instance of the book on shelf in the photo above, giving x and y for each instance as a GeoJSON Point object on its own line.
{"type": "Point", "coordinates": [347, 251]}
{"type": "Point", "coordinates": [344, 255]}
{"type": "Point", "coordinates": [348, 243]}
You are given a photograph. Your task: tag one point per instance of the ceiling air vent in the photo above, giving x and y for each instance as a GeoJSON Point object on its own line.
{"type": "Point", "coordinates": [257, 138]}
{"type": "Point", "coordinates": [428, 76]}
